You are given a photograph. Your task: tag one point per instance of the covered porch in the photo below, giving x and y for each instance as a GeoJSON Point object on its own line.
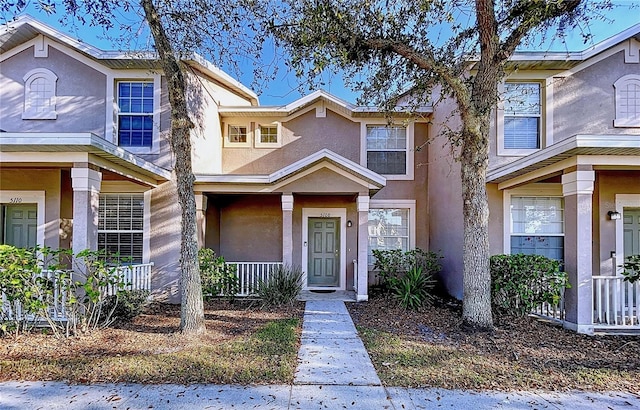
{"type": "Point", "coordinates": [312, 214]}
{"type": "Point", "coordinates": [591, 188]}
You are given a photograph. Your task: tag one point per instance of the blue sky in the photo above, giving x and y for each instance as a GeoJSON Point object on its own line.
{"type": "Point", "coordinates": [281, 90]}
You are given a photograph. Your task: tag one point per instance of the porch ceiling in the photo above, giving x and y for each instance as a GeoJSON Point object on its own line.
{"type": "Point", "coordinates": [281, 180]}
{"type": "Point", "coordinates": [593, 149]}
{"type": "Point", "coordinates": [100, 152]}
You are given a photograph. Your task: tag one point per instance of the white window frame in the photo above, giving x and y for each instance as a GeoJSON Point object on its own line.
{"type": "Point", "coordinates": [546, 114]}
{"type": "Point", "coordinates": [117, 188]}
{"type": "Point", "coordinates": [409, 149]}
{"type": "Point", "coordinates": [532, 190]}
{"type": "Point", "coordinates": [258, 135]}
{"type": "Point", "coordinates": [409, 204]}
{"type": "Point", "coordinates": [48, 112]}
{"type": "Point", "coordinates": [622, 85]}
{"type": "Point", "coordinates": [623, 201]}
{"type": "Point", "coordinates": [29, 197]}
{"type": "Point", "coordinates": [227, 136]}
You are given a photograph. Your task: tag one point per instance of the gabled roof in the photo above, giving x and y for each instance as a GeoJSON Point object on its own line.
{"type": "Point", "coordinates": [330, 100]}
{"type": "Point", "coordinates": [363, 175]}
{"type": "Point", "coordinates": [26, 28]}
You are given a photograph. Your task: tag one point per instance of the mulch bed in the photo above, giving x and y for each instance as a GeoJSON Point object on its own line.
{"type": "Point", "coordinates": [559, 358]}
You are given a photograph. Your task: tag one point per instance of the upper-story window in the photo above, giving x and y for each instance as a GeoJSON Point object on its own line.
{"type": "Point", "coordinates": [522, 116]}
{"type": "Point", "coordinates": [387, 149]}
{"type": "Point", "coordinates": [135, 113]}
{"type": "Point", "coordinates": [40, 95]}
{"type": "Point", "coordinates": [267, 136]}
{"type": "Point", "coordinates": [627, 101]}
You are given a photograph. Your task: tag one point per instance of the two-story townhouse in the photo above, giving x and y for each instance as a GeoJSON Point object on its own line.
{"type": "Point", "coordinates": [85, 162]}
{"type": "Point", "coordinates": [564, 177]}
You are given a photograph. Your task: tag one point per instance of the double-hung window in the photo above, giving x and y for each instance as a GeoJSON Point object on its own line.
{"type": "Point", "coordinates": [537, 226]}
{"type": "Point", "coordinates": [121, 225]}
{"type": "Point", "coordinates": [237, 134]}
{"type": "Point", "coordinates": [522, 116]}
{"type": "Point", "coordinates": [268, 134]}
{"type": "Point", "coordinates": [135, 113]}
{"type": "Point", "coordinates": [387, 149]}
{"type": "Point", "coordinates": [388, 230]}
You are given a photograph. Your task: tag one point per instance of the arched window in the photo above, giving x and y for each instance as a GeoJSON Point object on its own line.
{"type": "Point", "coordinates": [40, 95]}
{"type": "Point", "coordinates": [627, 101]}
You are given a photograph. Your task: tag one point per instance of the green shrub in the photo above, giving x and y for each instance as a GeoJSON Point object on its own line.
{"type": "Point", "coordinates": [408, 276]}
{"type": "Point", "coordinates": [631, 268]}
{"type": "Point", "coordinates": [126, 304]}
{"type": "Point", "coordinates": [282, 287]}
{"type": "Point", "coordinates": [413, 289]}
{"type": "Point", "coordinates": [218, 278]}
{"type": "Point", "coordinates": [520, 283]}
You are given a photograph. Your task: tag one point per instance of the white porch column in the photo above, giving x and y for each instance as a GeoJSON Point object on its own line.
{"type": "Point", "coordinates": [201, 217]}
{"type": "Point", "coordinates": [86, 189]}
{"type": "Point", "coordinates": [287, 229]}
{"type": "Point", "coordinates": [577, 189]}
{"type": "Point", "coordinates": [363, 244]}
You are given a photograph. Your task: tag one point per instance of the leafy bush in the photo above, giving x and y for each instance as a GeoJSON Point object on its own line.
{"type": "Point", "coordinates": [631, 268]}
{"type": "Point", "coordinates": [520, 283]}
{"type": "Point", "coordinates": [218, 278]}
{"type": "Point", "coordinates": [39, 286]}
{"type": "Point", "coordinates": [126, 304]}
{"type": "Point", "coordinates": [413, 289]}
{"type": "Point", "coordinates": [282, 287]}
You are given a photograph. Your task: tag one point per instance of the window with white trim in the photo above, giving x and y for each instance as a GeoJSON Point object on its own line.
{"type": "Point", "coordinates": [627, 101]}
{"type": "Point", "coordinates": [387, 149]}
{"type": "Point", "coordinates": [389, 229]}
{"type": "Point", "coordinates": [522, 116]}
{"type": "Point", "coordinates": [537, 226]}
{"type": "Point", "coordinates": [40, 95]}
{"type": "Point", "coordinates": [268, 134]}
{"type": "Point", "coordinates": [135, 113]}
{"type": "Point", "coordinates": [121, 225]}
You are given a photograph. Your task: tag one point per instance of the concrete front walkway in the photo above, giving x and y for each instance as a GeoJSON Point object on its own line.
{"type": "Point", "coordinates": [334, 372]}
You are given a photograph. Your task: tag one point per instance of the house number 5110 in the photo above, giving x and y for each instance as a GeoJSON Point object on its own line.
{"type": "Point", "coordinates": [325, 215]}
{"type": "Point", "coordinates": [15, 200]}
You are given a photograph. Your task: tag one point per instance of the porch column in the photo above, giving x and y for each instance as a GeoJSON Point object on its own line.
{"type": "Point", "coordinates": [86, 190]}
{"type": "Point", "coordinates": [362, 284]}
{"type": "Point", "coordinates": [287, 229]}
{"type": "Point", "coordinates": [577, 189]}
{"type": "Point", "coordinates": [201, 217]}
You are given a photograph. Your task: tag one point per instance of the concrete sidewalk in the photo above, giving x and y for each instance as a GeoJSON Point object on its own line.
{"type": "Point", "coordinates": [334, 372]}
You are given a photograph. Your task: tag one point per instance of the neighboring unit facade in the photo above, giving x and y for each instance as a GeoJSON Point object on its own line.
{"type": "Point", "coordinates": [564, 164]}
{"type": "Point", "coordinates": [319, 183]}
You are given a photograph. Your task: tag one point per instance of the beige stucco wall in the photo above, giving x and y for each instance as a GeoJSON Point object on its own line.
{"type": "Point", "coordinates": [80, 101]}
{"type": "Point", "coordinates": [607, 185]}
{"type": "Point", "coordinates": [47, 180]}
{"type": "Point", "coordinates": [301, 137]}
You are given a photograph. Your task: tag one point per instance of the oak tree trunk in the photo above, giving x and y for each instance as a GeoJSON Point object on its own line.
{"type": "Point", "coordinates": [192, 307]}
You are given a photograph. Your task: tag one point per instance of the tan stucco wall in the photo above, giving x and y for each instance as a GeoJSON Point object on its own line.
{"type": "Point", "coordinates": [301, 137]}
{"type": "Point", "coordinates": [80, 101]}
{"type": "Point", "coordinates": [250, 228]}
{"type": "Point", "coordinates": [47, 180]}
{"type": "Point", "coordinates": [608, 184]}
{"type": "Point", "coordinates": [165, 242]}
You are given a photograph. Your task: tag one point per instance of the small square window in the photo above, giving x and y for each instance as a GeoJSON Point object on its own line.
{"type": "Point", "coordinates": [268, 134]}
{"type": "Point", "coordinates": [237, 134]}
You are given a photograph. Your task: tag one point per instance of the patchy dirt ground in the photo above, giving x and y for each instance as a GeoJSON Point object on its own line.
{"type": "Point", "coordinates": [429, 349]}
{"type": "Point", "coordinates": [149, 349]}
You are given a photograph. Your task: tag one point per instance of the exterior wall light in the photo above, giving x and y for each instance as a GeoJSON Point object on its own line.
{"type": "Point", "coordinates": [349, 223]}
{"type": "Point", "coordinates": [613, 215]}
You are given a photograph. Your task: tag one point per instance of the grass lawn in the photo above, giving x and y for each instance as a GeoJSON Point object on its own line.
{"type": "Point", "coordinates": [242, 345]}
{"type": "Point", "coordinates": [428, 349]}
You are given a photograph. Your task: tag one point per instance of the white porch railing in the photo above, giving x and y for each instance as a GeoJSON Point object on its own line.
{"type": "Point", "coordinates": [136, 277]}
{"type": "Point", "coordinates": [551, 311]}
{"type": "Point", "coordinates": [616, 302]}
{"type": "Point", "coordinates": [250, 274]}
